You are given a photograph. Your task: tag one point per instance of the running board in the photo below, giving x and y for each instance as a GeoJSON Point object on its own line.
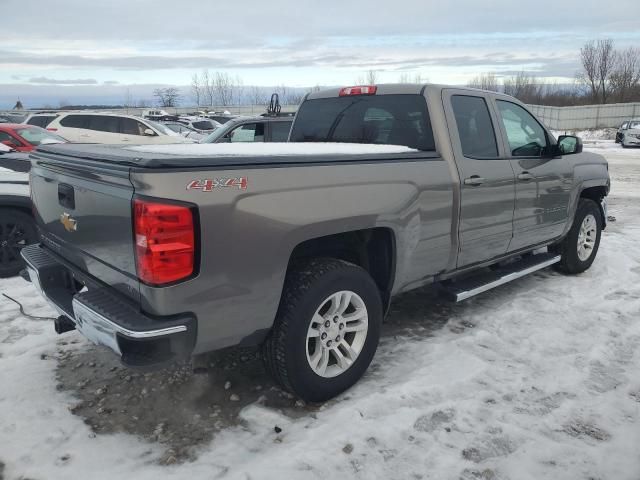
{"type": "Point", "coordinates": [468, 287]}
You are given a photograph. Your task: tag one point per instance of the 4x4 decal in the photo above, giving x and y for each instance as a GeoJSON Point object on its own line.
{"type": "Point", "coordinates": [207, 185]}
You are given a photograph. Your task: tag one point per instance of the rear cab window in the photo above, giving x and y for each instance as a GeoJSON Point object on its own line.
{"type": "Point", "coordinates": [395, 119]}
{"type": "Point", "coordinates": [280, 131]}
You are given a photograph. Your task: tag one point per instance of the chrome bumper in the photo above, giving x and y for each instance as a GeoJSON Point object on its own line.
{"type": "Point", "coordinates": [103, 317]}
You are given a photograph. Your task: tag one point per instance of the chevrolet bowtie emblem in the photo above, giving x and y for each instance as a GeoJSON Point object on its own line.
{"type": "Point", "coordinates": [70, 224]}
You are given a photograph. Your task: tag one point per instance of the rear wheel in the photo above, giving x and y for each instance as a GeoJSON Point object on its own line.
{"type": "Point", "coordinates": [17, 230]}
{"type": "Point", "coordinates": [580, 246]}
{"type": "Point", "coordinates": [326, 331]}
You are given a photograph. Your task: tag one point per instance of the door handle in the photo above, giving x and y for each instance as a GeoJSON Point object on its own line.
{"type": "Point", "coordinates": [525, 177]}
{"type": "Point", "coordinates": [474, 180]}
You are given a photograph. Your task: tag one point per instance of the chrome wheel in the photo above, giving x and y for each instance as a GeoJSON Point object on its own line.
{"type": "Point", "coordinates": [587, 237]}
{"type": "Point", "coordinates": [337, 334]}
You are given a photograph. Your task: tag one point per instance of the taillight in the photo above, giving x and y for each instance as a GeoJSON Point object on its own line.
{"type": "Point", "coordinates": [361, 90]}
{"type": "Point", "coordinates": [165, 241]}
{"type": "Point", "coordinates": [52, 129]}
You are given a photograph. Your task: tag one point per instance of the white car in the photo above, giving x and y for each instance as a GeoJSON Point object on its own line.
{"type": "Point", "coordinates": [199, 124]}
{"type": "Point", "coordinates": [631, 134]}
{"type": "Point", "coordinates": [112, 128]}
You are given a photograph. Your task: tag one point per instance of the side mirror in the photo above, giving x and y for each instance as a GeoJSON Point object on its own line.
{"type": "Point", "coordinates": [149, 133]}
{"type": "Point", "coordinates": [569, 144]}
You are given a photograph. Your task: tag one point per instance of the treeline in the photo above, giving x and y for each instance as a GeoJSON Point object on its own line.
{"type": "Point", "coordinates": [607, 75]}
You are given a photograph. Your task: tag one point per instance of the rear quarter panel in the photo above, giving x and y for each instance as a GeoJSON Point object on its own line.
{"type": "Point", "coordinates": [247, 236]}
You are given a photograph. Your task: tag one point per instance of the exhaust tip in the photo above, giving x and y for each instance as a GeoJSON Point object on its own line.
{"type": "Point", "coordinates": [63, 324]}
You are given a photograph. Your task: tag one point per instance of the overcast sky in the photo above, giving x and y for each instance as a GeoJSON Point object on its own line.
{"type": "Point", "coordinates": [105, 46]}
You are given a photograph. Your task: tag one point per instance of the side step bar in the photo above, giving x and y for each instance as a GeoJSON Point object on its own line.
{"type": "Point", "coordinates": [462, 289]}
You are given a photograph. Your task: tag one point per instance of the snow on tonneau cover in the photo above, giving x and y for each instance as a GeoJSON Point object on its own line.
{"type": "Point", "coordinates": [83, 193]}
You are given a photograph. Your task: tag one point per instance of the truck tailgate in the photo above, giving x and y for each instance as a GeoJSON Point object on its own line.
{"type": "Point", "coordinates": [83, 211]}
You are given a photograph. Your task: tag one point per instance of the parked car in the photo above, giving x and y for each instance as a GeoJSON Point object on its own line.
{"type": "Point", "coordinates": [12, 117]}
{"type": "Point", "coordinates": [184, 130]}
{"type": "Point", "coordinates": [199, 124]}
{"type": "Point", "coordinates": [631, 134]}
{"type": "Point", "coordinates": [17, 228]}
{"type": "Point", "coordinates": [252, 129]}
{"type": "Point", "coordinates": [24, 138]}
{"type": "Point", "coordinates": [221, 118]}
{"type": "Point", "coordinates": [300, 246]}
{"type": "Point", "coordinates": [40, 119]}
{"type": "Point", "coordinates": [620, 131]}
{"type": "Point", "coordinates": [158, 115]}
{"type": "Point", "coordinates": [86, 127]}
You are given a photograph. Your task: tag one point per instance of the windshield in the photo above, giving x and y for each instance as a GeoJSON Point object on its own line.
{"type": "Point", "coordinates": [37, 136]}
{"type": "Point", "coordinates": [162, 128]}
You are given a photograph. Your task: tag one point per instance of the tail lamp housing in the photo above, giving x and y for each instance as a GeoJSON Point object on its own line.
{"type": "Point", "coordinates": [165, 241]}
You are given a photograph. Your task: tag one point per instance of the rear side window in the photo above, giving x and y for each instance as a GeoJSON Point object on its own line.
{"type": "Point", "coordinates": [280, 131]}
{"type": "Point", "coordinates": [104, 123]}
{"type": "Point", "coordinates": [75, 121]}
{"type": "Point", "coordinates": [41, 120]}
{"type": "Point", "coordinates": [475, 129]}
{"type": "Point", "coordinates": [378, 119]}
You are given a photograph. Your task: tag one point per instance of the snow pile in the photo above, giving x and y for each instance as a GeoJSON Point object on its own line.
{"type": "Point", "coordinates": [272, 149]}
{"type": "Point", "coordinates": [535, 380]}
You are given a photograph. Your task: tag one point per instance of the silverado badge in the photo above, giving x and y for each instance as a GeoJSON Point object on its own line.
{"type": "Point", "coordinates": [70, 224]}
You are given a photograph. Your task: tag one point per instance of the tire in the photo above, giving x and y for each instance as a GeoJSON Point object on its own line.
{"type": "Point", "coordinates": [571, 261]}
{"type": "Point", "coordinates": [17, 230]}
{"type": "Point", "coordinates": [289, 352]}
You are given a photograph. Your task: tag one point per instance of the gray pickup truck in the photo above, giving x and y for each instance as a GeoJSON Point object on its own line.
{"type": "Point", "coordinates": [164, 252]}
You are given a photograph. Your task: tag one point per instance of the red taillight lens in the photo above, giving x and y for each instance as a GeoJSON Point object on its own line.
{"type": "Point", "coordinates": [361, 90]}
{"type": "Point", "coordinates": [165, 241]}
{"type": "Point", "coordinates": [52, 129]}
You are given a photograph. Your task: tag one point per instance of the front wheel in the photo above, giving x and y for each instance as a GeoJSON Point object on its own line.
{"type": "Point", "coordinates": [326, 331]}
{"type": "Point", "coordinates": [580, 246]}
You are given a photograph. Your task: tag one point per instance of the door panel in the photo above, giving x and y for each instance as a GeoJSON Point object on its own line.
{"type": "Point", "coordinates": [487, 190]}
{"type": "Point", "coordinates": [543, 183]}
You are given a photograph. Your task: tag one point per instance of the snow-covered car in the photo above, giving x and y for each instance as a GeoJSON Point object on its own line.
{"type": "Point", "coordinates": [17, 228]}
{"type": "Point", "coordinates": [111, 128]}
{"type": "Point", "coordinates": [620, 131]}
{"type": "Point", "coordinates": [199, 124]}
{"type": "Point", "coordinates": [184, 130]}
{"type": "Point", "coordinates": [158, 115]}
{"type": "Point", "coordinates": [631, 134]}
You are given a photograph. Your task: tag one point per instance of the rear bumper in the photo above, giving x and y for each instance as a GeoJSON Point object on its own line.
{"type": "Point", "coordinates": [105, 317]}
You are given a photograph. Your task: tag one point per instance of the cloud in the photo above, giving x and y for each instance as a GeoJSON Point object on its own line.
{"type": "Point", "coordinates": [54, 81]}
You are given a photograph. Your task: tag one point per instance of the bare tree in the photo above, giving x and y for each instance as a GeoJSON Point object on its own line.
{"type": "Point", "coordinates": [372, 77]}
{"type": "Point", "coordinates": [196, 88]}
{"type": "Point", "coordinates": [485, 81]}
{"type": "Point", "coordinates": [606, 64]}
{"type": "Point", "coordinates": [590, 72]}
{"type": "Point", "coordinates": [223, 87]}
{"type": "Point", "coordinates": [257, 95]}
{"type": "Point", "coordinates": [626, 75]}
{"type": "Point", "coordinates": [283, 94]}
{"type": "Point", "coordinates": [167, 97]}
{"type": "Point", "coordinates": [129, 102]}
{"type": "Point", "coordinates": [523, 87]}
{"type": "Point", "coordinates": [207, 88]}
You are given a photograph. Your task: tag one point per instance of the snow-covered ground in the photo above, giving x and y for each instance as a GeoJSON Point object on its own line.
{"type": "Point", "coordinates": [539, 379]}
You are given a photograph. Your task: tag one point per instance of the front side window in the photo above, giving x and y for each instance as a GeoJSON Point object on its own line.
{"type": "Point", "coordinates": [475, 128]}
{"type": "Point", "coordinates": [8, 140]}
{"type": "Point", "coordinates": [526, 136]}
{"type": "Point", "coordinates": [129, 126]}
{"type": "Point", "coordinates": [251, 132]}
